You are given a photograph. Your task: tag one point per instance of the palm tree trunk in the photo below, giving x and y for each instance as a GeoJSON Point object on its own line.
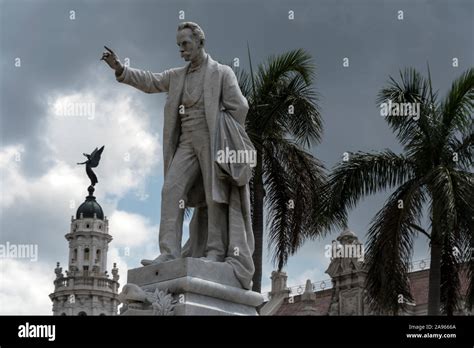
{"type": "Point", "coordinates": [257, 223]}
{"type": "Point", "coordinates": [434, 285]}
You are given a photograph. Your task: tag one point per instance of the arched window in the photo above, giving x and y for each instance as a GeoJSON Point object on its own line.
{"type": "Point", "coordinates": [74, 255]}
{"type": "Point", "coordinates": [86, 254]}
{"type": "Point", "coordinates": [63, 314]}
{"type": "Point", "coordinates": [102, 314]}
{"type": "Point", "coordinates": [97, 255]}
{"type": "Point", "coordinates": [82, 314]}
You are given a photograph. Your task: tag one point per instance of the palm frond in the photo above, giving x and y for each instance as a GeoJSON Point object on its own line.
{"type": "Point", "coordinates": [305, 122]}
{"type": "Point", "coordinates": [412, 88]}
{"type": "Point", "coordinates": [279, 85]}
{"type": "Point", "coordinates": [282, 66]}
{"type": "Point", "coordinates": [443, 197]}
{"type": "Point", "coordinates": [277, 187]}
{"type": "Point", "coordinates": [450, 274]}
{"type": "Point", "coordinates": [365, 174]}
{"type": "Point", "coordinates": [461, 148]}
{"type": "Point", "coordinates": [458, 105]}
{"type": "Point", "coordinates": [303, 178]}
{"type": "Point", "coordinates": [389, 248]}
{"type": "Point", "coordinates": [463, 183]}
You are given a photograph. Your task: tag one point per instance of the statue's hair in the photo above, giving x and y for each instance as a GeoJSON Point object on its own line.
{"type": "Point", "coordinates": [198, 33]}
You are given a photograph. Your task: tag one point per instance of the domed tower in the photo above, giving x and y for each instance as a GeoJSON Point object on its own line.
{"type": "Point", "coordinates": [87, 289]}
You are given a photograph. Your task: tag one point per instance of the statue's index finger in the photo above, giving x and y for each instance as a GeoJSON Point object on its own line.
{"type": "Point", "coordinates": [108, 49]}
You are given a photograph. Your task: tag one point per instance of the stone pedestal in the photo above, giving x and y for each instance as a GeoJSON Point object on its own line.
{"type": "Point", "coordinates": [196, 286]}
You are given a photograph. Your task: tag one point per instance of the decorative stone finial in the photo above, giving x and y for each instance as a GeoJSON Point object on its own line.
{"type": "Point", "coordinates": [59, 271]}
{"type": "Point", "coordinates": [115, 275]}
{"type": "Point", "coordinates": [308, 294]}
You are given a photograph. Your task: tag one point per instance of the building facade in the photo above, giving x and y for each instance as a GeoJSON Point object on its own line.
{"type": "Point", "coordinates": [344, 293]}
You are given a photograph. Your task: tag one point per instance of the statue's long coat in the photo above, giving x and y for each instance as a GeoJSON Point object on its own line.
{"type": "Point", "coordinates": [221, 93]}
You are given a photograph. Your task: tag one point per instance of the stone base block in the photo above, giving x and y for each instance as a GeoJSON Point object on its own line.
{"type": "Point", "coordinates": [198, 287]}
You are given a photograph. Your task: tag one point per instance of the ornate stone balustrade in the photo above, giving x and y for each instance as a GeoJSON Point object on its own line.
{"type": "Point", "coordinates": [97, 282]}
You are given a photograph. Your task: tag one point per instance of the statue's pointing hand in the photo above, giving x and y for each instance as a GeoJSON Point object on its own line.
{"type": "Point", "coordinates": [112, 60]}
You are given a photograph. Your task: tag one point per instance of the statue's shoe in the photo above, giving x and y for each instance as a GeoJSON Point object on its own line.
{"type": "Point", "coordinates": [159, 259]}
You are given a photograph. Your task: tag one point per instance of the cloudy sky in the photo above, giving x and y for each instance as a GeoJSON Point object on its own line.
{"type": "Point", "coordinates": [49, 58]}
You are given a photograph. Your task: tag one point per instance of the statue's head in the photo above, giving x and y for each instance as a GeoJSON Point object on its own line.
{"type": "Point", "coordinates": [190, 39]}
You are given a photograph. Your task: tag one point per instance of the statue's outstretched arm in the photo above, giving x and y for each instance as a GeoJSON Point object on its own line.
{"type": "Point", "coordinates": [146, 81]}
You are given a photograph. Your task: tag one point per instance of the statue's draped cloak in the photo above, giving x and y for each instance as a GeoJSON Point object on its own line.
{"type": "Point", "coordinates": [221, 93]}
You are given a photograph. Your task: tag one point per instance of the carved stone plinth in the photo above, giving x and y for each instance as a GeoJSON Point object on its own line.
{"type": "Point", "coordinates": [188, 286]}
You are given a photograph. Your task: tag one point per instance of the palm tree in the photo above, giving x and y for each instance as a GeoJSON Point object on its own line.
{"type": "Point", "coordinates": [434, 175]}
{"type": "Point", "coordinates": [283, 121]}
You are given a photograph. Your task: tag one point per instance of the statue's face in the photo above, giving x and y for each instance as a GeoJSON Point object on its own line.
{"type": "Point", "coordinates": [188, 46]}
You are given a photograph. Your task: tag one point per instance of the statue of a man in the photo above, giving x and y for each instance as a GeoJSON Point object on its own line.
{"type": "Point", "coordinates": [220, 229]}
